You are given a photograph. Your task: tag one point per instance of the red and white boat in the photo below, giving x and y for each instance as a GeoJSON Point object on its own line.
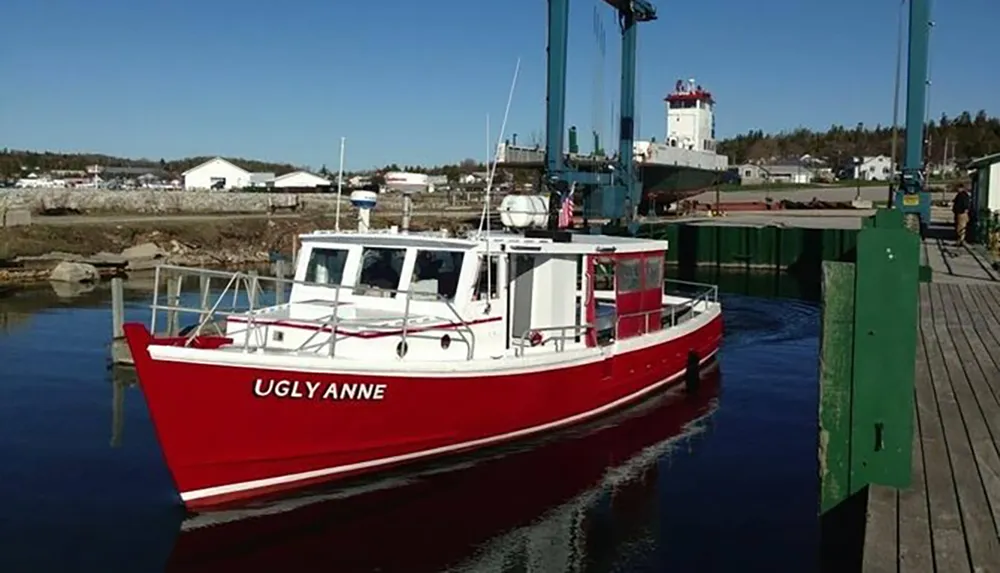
{"type": "Point", "coordinates": [394, 347]}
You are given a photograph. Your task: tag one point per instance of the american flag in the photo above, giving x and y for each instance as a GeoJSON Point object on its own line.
{"type": "Point", "coordinates": [566, 211]}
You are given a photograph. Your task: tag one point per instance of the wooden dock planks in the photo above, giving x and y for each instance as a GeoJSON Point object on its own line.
{"type": "Point", "coordinates": [949, 519]}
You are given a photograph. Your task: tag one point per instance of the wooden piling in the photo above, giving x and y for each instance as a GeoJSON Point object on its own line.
{"type": "Point", "coordinates": [174, 287]}
{"type": "Point", "coordinates": [868, 351]}
{"type": "Point", "coordinates": [252, 289]}
{"type": "Point", "coordinates": [279, 284]}
{"type": "Point", "coordinates": [120, 354]}
{"type": "Point", "coordinates": [117, 412]}
{"type": "Point", "coordinates": [117, 308]}
{"type": "Point", "coordinates": [204, 298]}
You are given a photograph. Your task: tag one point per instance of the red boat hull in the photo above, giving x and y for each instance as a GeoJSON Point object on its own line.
{"type": "Point", "coordinates": [224, 442]}
{"type": "Point", "coordinates": [426, 524]}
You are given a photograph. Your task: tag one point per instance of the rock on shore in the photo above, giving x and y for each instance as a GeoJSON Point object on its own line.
{"type": "Point", "coordinates": [63, 267]}
{"type": "Point", "coordinates": [72, 272]}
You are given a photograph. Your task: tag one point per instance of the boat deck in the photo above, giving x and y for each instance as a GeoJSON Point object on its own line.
{"type": "Point", "coordinates": [949, 519]}
{"type": "Point", "coordinates": [351, 317]}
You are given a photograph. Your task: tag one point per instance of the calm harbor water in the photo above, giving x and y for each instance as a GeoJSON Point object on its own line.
{"type": "Point", "coordinates": [721, 481]}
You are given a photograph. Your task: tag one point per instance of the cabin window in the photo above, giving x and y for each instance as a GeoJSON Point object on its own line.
{"type": "Point", "coordinates": [627, 274]}
{"type": "Point", "coordinates": [381, 269]}
{"type": "Point", "coordinates": [435, 275]}
{"type": "Point", "coordinates": [654, 272]}
{"type": "Point", "coordinates": [604, 274]}
{"type": "Point", "coordinates": [488, 282]}
{"type": "Point", "coordinates": [326, 266]}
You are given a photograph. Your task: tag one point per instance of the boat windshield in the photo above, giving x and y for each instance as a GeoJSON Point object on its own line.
{"type": "Point", "coordinates": [380, 271]}
{"type": "Point", "coordinates": [326, 266]}
{"type": "Point", "coordinates": [435, 274]}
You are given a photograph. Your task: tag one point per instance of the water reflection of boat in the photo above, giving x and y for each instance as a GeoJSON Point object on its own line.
{"type": "Point", "coordinates": [513, 504]}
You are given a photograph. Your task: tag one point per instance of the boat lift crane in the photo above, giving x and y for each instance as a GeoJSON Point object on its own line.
{"type": "Point", "coordinates": [911, 196]}
{"type": "Point", "coordinates": [617, 190]}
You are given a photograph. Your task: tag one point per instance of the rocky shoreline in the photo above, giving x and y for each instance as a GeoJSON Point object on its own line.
{"type": "Point", "coordinates": [90, 253]}
{"type": "Point", "coordinates": [76, 254]}
{"type": "Point", "coordinates": [74, 268]}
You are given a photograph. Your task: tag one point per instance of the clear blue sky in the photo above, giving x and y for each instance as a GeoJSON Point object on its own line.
{"type": "Point", "coordinates": [412, 82]}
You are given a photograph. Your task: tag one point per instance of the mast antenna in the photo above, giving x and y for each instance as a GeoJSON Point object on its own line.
{"type": "Point", "coordinates": [491, 170]}
{"type": "Point", "coordinates": [491, 173]}
{"type": "Point", "coordinates": [340, 185]}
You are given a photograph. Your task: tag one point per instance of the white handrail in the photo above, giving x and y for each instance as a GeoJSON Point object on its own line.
{"type": "Point", "coordinates": [576, 328]}
{"type": "Point", "coordinates": [252, 314]}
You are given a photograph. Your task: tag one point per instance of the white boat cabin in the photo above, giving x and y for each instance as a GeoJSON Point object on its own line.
{"type": "Point", "coordinates": [428, 297]}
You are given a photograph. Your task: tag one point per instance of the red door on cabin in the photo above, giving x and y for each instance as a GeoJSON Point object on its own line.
{"type": "Point", "coordinates": [590, 267]}
{"type": "Point", "coordinates": [629, 295]}
{"type": "Point", "coordinates": [652, 289]}
{"type": "Point", "coordinates": [638, 292]}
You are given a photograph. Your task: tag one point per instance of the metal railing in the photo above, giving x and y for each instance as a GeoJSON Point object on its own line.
{"type": "Point", "coordinates": [704, 291]}
{"type": "Point", "coordinates": [704, 295]}
{"type": "Point", "coordinates": [255, 316]}
{"type": "Point", "coordinates": [573, 330]}
{"type": "Point", "coordinates": [667, 315]}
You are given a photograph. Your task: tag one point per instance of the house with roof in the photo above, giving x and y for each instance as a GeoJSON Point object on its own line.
{"type": "Point", "coordinates": [216, 174]}
{"type": "Point", "coordinates": [752, 174]}
{"type": "Point", "coordinates": [219, 174]}
{"type": "Point", "coordinates": [301, 180]}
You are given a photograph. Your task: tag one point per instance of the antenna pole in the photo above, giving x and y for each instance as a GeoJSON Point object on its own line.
{"type": "Point", "coordinates": [486, 205]}
{"type": "Point", "coordinates": [491, 172]}
{"type": "Point", "coordinates": [340, 184]}
{"type": "Point", "coordinates": [486, 217]}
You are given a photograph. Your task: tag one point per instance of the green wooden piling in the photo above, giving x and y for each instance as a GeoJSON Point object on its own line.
{"type": "Point", "coordinates": [867, 362]}
{"type": "Point", "coordinates": [886, 309]}
{"type": "Point", "coordinates": [836, 363]}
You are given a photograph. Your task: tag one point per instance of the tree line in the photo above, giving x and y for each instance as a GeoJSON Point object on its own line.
{"type": "Point", "coordinates": [949, 139]}
{"type": "Point", "coordinates": [15, 163]}
{"type": "Point", "coordinates": [961, 138]}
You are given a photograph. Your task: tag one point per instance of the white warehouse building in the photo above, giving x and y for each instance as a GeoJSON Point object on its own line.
{"type": "Point", "coordinates": [216, 174]}
{"type": "Point", "coordinates": [300, 179]}
{"type": "Point", "coordinates": [406, 182]}
{"type": "Point", "coordinates": [220, 174]}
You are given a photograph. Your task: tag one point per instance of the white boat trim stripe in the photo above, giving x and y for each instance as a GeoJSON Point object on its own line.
{"type": "Point", "coordinates": [281, 480]}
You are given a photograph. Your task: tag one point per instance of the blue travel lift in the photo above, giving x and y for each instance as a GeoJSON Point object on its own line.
{"type": "Point", "coordinates": [911, 196]}
{"type": "Point", "coordinates": [616, 193]}
{"type": "Point", "coordinates": [613, 193]}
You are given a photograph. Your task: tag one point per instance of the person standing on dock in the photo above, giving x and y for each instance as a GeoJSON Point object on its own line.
{"type": "Point", "coordinates": [960, 207]}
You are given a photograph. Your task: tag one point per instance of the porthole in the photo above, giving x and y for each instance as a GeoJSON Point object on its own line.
{"type": "Point", "coordinates": [445, 342]}
{"type": "Point", "coordinates": [401, 348]}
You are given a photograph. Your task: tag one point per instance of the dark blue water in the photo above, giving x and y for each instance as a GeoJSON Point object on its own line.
{"type": "Point", "coordinates": [722, 480]}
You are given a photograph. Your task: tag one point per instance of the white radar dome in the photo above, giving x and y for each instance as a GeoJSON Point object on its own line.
{"type": "Point", "coordinates": [364, 199]}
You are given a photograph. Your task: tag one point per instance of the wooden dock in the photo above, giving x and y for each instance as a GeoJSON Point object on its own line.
{"type": "Point", "coordinates": [949, 518]}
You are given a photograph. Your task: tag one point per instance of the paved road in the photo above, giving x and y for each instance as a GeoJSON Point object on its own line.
{"type": "Point", "coordinates": [208, 218]}
{"type": "Point", "coordinates": [836, 194]}
{"type": "Point", "coordinates": [192, 218]}
{"type": "Point", "coordinates": [833, 194]}
{"type": "Point", "coordinates": [807, 219]}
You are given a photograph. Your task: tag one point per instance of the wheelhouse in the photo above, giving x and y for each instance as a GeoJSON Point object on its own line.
{"type": "Point", "coordinates": [426, 298]}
